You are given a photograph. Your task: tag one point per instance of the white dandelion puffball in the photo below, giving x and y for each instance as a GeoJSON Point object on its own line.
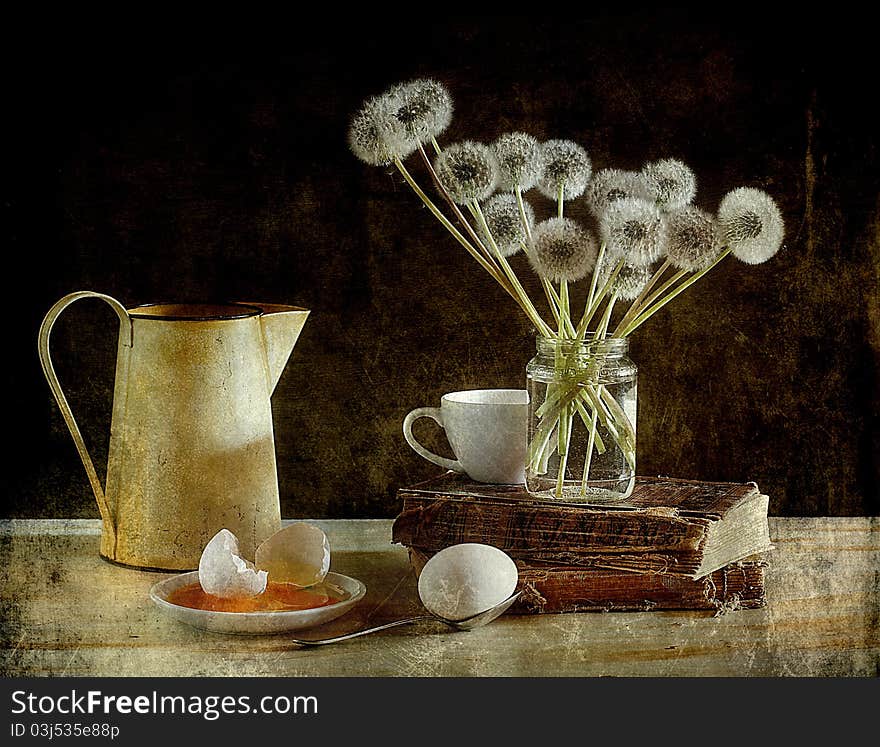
{"type": "Point", "coordinates": [692, 239]}
{"type": "Point", "coordinates": [610, 185]}
{"type": "Point", "coordinates": [520, 161]}
{"type": "Point", "coordinates": [562, 250]}
{"type": "Point", "coordinates": [224, 573]}
{"type": "Point", "coordinates": [468, 171]}
{"type": "Point", "coordinates": [371, 132]}
{"type": "Point", "coordinates": [630, 281]}
{"type": "Point", "coordinates": [751, 225]}
{"type": "Point", "coordinates": [671, 183]}
{"type": "Point", "coordinates": [422, 109]}
{"type": "Point", "coordinates": [566, 166]}
{"type": "Point", "coordinates": [633, 229]}
{"type": "Point", "coordinates": [505, 222]}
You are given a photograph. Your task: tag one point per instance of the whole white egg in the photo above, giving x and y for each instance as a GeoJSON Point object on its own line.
{"type": "Point", "coordinates": [464, 580]}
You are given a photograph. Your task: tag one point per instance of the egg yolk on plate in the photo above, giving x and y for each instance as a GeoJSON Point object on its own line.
{"type": "Point", "coordinates": [278, 597]}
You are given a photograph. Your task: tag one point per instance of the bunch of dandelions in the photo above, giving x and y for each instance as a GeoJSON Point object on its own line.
{"type": "Point", "coordinates": [647, 243]}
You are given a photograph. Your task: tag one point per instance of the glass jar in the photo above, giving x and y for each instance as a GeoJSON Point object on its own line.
{"type": "Point", "coordinates": [582, 420]}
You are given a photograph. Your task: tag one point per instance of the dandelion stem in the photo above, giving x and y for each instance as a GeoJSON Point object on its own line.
{"type": "Point", "coordinates": [602, 329]}
{"type": "Point", "coordinates": [595, 279]}
{"type": "Point", "coordinates": [539, 445]}
{"type": "Point", "coordinates": [569, 327]}
{"type": "Point", "coordinates": [559, 200]}
{"type": "Point", "coordinates": [650, 299]}
{"type": "Point", "coordinates": [549, 291]}
{"type": "Point", "coordinates": [651, 310]}
{"type": "Point", "coordinates": [659, 292]}
{"type": "Point", "coordinates": [553, 294]}
{"type": "Point", "coordinates": [564, 444]}
{"type": "Point", "coordinates": [455, 209]}
{"type": "Point", "coordinates": [637, 305]}
{"type": "Point", "coordinates": [589, 458]}
{"type": "Point", "coordinates": [491, 269]}
{"type": "Point", "coordinates": [552, 299]}
{"type": "Point", "coordinates": [597, 301]}
{"type": "Point", "coordinates": [578, 403]}
{"type": "Point", "coordinates": [522, 213]}
{"type": "Point", "coordinates": [529, 307]}
{"type": "Point", "coordinates": [554, 307]}
{"type": "Point", "coordinates": [437, 149]}
{"type": "Point", "coordinates": [564, 308]}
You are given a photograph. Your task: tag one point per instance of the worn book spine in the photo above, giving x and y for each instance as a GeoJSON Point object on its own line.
{"type": "Point", "coordinates": [553, 588]}
{"type": "Point", "coordinates": [663, 528]}
{"type": "Point", "coordinates": [439, 521]}
{"type": "Point", "coordinates": [635, 541]}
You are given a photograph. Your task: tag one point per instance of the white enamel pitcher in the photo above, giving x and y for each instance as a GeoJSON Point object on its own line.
{"type": "Point", "coordinates": [192, 448]}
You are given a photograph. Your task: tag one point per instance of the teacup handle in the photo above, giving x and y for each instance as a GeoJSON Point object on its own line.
{"type": "Point", "coordinates": [437, 416]}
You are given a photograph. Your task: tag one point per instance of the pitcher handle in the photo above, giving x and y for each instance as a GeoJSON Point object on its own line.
{"type": "Point", "coordinates": [125, 334]}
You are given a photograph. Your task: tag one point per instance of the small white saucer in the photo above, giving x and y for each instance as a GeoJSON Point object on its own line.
{"type": "Point", "coordinates": [255, 623]}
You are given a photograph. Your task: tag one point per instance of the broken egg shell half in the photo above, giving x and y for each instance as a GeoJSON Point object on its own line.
{"type": "Point", "coordinates": [298, 555]}
{"type": "Point", "coordinates": [464, 580]}
{"type": "Point", "coordinates": [224, 573]}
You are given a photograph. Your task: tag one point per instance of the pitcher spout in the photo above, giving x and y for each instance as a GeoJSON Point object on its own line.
{"type": "Point", "coordinates": [281, 327]}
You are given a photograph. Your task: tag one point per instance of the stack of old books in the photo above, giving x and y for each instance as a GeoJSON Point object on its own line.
{"type": "Point", "coordinates": [673, 544]}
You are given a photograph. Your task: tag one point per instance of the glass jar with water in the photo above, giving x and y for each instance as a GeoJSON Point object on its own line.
{"type": "Point", "coordinates": [582, 420]}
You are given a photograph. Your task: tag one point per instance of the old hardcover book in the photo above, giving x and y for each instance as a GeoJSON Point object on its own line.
{"type": "Point", "coordinates": [671, 526]}
{"type": "Point", "coordinates": [553, 588]}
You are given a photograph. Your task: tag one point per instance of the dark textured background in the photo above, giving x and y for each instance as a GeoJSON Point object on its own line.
{"type": "Point", "coordinates": [189, 167]}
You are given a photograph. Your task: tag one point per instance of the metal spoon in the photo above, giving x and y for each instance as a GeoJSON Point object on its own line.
{"type": "Point", "coordinates": [464, 586]}
{"type": "Point", "coordinates": [468, 623]}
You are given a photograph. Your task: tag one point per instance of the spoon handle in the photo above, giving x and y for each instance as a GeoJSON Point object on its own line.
{"type": "Point", "coordinates": [359, 633]}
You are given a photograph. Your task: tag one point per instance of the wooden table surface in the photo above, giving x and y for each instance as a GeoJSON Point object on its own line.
{"type": "Point", "coordinates": [64, 611]}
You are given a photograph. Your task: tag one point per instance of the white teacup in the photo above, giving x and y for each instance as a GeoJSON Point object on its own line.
{"type": "Point", "coordinates": [487, 429]}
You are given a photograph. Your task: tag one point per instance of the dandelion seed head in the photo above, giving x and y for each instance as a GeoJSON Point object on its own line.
{"type": "Point", "coordinates": [630, 281]}
{"type": "Point", "coordinates": [371, 132]}
{"type": "Point", "coordinates": [562, 250]}
{"type": "Point", "coordinates": [505, 222]}
{"type": "Point", "coordinates": [634, 229]}
{"type": "Point", "coordinates": [468, 171]}
{"type": "Point", "coordinates": [422, 110]}
{"type": "Point", "coordinates": [520, 161]}
{"type": "Point", "coordinates": [692, 239]}
{"type": "Point", "coordinates": [751, 225]}
{"type": "Point", "coordinates": [566, 165]}
{"type": "Point", "coordinates": [610, 185]}
{"type": "Point", "coordinates": [671, 183]}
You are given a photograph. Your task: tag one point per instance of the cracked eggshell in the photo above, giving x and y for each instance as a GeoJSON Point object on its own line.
{"type": "Point", "coordinates": [224, 573]}
{"type": "Point", "coordinates": [464, 580]}
{"type": "Point", "coordinates": [298, 555]}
